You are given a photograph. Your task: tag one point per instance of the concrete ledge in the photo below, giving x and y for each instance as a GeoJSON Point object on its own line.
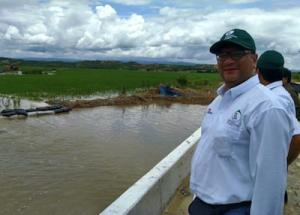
{"type": "Point", "coordinates": [151, 193]}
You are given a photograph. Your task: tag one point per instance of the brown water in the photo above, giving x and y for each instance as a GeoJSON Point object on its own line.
{"type": "Point", "coordinates": [78, 163]}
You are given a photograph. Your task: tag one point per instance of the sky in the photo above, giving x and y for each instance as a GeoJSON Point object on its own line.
{"type": "Point", "coordinates": [164, 30]}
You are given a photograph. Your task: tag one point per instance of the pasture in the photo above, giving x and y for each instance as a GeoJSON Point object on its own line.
{"type": "Point", "coordinates": [89, 81]}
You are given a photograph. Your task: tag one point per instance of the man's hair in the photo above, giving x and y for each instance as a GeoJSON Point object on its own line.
{"type": "Point", "coordinates": [271, 75]}
{"type": "Point", "coordinates": [286, 73]}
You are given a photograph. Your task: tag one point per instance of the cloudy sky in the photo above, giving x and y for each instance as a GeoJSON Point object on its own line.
{"type": "Point", "coordinates": [169, 30]}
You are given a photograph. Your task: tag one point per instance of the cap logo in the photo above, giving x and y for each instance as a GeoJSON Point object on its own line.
{"type": "Point", "coordinates": [230, 34]}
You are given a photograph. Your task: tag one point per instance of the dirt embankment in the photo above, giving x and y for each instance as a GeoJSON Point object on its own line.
{"type": "Point", "coordinates": [152, 96]}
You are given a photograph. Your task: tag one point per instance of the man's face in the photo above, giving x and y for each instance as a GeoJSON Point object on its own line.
{"type": "Point", "coordinates": [235, 65]}
{"type": "Point", "coordinates": [285, 81]}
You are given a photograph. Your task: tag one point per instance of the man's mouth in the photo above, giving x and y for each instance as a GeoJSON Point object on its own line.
{"type": "Point", "coordinates": [230, 70]}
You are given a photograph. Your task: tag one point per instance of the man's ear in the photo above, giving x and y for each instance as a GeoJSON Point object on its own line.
{"type": "Point", "coordinates": [254, 57]}
{"type": "Point", "coordinates": [254, 61]}
{"type": "Point", "coordinates": [261, 79]}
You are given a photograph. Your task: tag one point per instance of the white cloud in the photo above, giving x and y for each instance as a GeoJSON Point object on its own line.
{"type": "Point", "coordinates": [106, 12]}
{"type": "Point", "coordinates": [241, 1]}
{"type": "Point", "coordinates": [39, 38]}
{"type": "Point", "coordinates": [37, 28]}
{"type": "Point", "coordinates": [106, 30]}
{"type": "Point", "coordinates": [132, 2]}
{"type": "Point", "coordinates": [7, 4]}
{"type": "Point", "coordinates": [12, 33]}
{"type": "Point", "coordinates": [68, 28]}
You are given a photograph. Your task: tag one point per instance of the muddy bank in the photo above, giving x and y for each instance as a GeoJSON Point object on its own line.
{"type": "Point", "coordinates": [293, 206]}
{"type": "Point", "coordinates": [189, 96]}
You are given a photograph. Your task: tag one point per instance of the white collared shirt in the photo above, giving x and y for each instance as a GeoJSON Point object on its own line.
{"type": "Point", "coordinates": [287, 101]}
{"type": "Point", "coordinates": [241, 155]}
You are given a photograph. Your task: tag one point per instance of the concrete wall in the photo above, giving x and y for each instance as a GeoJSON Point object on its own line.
{"type": "Point", "coordinates": [151, 194]}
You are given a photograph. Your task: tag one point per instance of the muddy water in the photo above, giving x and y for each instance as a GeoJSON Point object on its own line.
{"type": "Point", "coordinates": [78, 163]}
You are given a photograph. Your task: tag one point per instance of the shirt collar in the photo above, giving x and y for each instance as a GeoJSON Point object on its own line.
{"type": "Point", "coordinates": [239, 89]}
{"type": "Point", "coordinates": [274, 85]}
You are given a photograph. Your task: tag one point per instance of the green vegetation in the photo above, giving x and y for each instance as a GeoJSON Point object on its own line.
{"type": "Point", "coordinates": [69, 79]}
{"type": "Point", "coordinates": [296, 76]}
{"type": "Point", "coordinates": [182, 81]}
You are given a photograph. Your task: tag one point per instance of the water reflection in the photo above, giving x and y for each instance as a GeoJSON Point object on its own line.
{"type": "Point", "coordinates": [6, 102]}
{"type": "Point", "coordinates": [79, 162]}
{"type": "Point", "coordinates": [15, 102]}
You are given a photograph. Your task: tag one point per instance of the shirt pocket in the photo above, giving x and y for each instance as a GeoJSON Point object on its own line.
{"type": "Point", "coordinates": [233, 132]}
{"type": "Point", "coordinates": [222, 147]}
{"type": "Point", "coordinates": [225, 142]}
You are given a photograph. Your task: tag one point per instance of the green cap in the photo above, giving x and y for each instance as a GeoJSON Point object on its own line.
{"type": "Point", "coordinates": [235, 36]}
{"type": "Point", "coordinates": [286, 73]}
{"type": "Point", "coordinates": [271, 60]}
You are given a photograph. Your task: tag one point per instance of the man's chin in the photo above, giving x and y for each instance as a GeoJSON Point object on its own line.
{"type": "Point", "coordinates": [230, 79]}
{"type": "Point", "coordinates": [231, 82]}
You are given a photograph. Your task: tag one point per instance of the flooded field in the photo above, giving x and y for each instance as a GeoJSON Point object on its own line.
{"type": "Point", "coordinates": [78, 163]}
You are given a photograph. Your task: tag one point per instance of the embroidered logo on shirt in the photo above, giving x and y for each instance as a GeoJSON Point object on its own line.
{"type": "Point", "coordinates": [235, 119]}
{"type": "Point", "coordinates": [209, 111]}
{"type": "Point", "coordinates": [237, 115]}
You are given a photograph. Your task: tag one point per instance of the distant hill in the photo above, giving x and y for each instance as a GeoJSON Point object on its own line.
{"type": "Point", "coordinates": [146, 65]}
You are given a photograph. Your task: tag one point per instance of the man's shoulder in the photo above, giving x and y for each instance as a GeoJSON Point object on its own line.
{"type": "Point", "coordinates": [258, 97]}
{"type": "Point", "coordinates": [263, 101]}
{"type": "Point", "coordinates": [216, 100]}
{"type": "Point", "coordinates": [261, 94]}
{"type": "Point", "coordinates": [284, 96]}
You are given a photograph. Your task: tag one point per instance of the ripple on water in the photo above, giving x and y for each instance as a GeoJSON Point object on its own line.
{"type": "Point", "coordinates": [79, 162]}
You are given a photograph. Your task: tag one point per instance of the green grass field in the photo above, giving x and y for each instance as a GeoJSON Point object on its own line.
{"type": "Point", "coordinates": [296, 76]}
{"type": "Point", "coordinates": [83, 82]}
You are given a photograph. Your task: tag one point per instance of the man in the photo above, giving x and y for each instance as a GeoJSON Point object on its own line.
{"type": "Point", "coordinates": [286, 80]}
{"type": "Point", "coordinates": [270, 72]}
{"type": "Point", "coordinates": [239, 166]}
{"type": "Point", "coordinates": [295, 144]}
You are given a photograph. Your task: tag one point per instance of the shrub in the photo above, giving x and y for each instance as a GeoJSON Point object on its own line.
{"type": "Point", "coordinates": [182, 81]}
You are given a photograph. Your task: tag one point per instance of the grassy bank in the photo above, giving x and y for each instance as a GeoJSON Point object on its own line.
{"type": "Point", "coordinates": [80, 82]}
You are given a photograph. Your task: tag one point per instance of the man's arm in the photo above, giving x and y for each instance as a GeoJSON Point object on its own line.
{"type": "Point", "coordinates": [294, 150]}
{"type": "Point", "coordinates": [295, 142]}
{"type": "Point", "coordinates": [270, 136]}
